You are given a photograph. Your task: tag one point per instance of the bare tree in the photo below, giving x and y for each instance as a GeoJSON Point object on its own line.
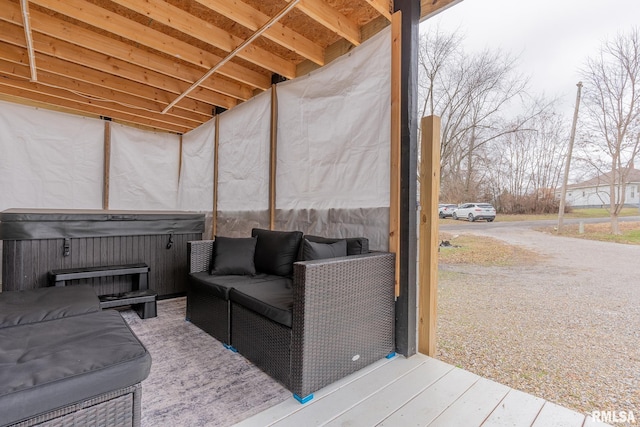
{"type": "Point", "coordinates": [526, 166]}
{"type": "Point", "coordinates": [612, 101]}
{"type": "Point", "coordinates": [471, 93]}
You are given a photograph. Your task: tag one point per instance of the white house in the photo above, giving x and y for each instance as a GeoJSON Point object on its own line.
{"type": "Point", "coordinates": [595, 191]}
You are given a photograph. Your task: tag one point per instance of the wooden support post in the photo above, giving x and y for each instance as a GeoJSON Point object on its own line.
{"type": "Point", "coordinates": [396, 99]}
{"type": "Point", "coordinates": [428, 252]}
{"type": "Point", "coordinates": [107, 164]}
{"type": "Point", "coordinates": [273, 157]}
{"type": "Point", "coordinates": [180, 158]}
{"type": "Point", "coordinates": [214, 219]}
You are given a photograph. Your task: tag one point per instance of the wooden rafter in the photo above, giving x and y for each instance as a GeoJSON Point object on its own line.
{"type": "Point", "coordinates": [382, 6]}
{"type": "Point", "coordinates": [96, 85]}
{"type": "Point", "coordinates": [253, 19]}
{"type": "Point", "coordinates": [26, 22]}
{"type": "Point", "coordinates": [90, 48]}
{"type": "Point", "coordinates": [239, 49]}
{"type": "Point", "coordinates": [143, 35]}
{"type": "Point", "coordinates": [177, 18]}
{"type": "Point", "coordinates": [331, 19]}
{"type": "Point", "coordinates": [127, 59]}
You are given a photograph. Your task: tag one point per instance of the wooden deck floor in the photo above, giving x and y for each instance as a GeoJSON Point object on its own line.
{"type": "Point", "coordinates": [419, 391]}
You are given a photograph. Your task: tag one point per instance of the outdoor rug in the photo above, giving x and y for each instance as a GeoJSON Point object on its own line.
{"type": "Point", "coordinates": [194, 380]}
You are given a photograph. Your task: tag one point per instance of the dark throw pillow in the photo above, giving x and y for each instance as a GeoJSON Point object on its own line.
{"type": "Point", "coordinates": [233, 256]}
{"type": "Point", "coordinates": [276, 251]}
{"type": "Point", "coordinates": [313, 250]}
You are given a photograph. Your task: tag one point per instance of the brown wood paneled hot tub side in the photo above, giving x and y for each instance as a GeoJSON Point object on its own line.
{"type": "Point", "coordinates": [36, 241]}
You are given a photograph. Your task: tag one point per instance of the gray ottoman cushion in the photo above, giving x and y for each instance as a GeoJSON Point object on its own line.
{"type": "Point", "coordinates": [52, 364]}
{"type": "Point", "coordinates": [36, 305]}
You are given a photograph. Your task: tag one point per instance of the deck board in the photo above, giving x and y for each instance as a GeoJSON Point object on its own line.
{"type": "Point", "coordinates": [418, 391]}
{"type": "Point", "coordinates": [516, 409]}
{"type": "Point", "coordinates": [429, 404]}
{"type": "Point", "coordinates": [474, 406]}
{"type": "Point", "coordinates": [376, 408]}
{"type": "Point", "coordinates": [552, 415]}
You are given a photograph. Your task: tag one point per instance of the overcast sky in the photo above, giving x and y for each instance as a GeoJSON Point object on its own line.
{"type": "Point", "coordinates": [551, 37]}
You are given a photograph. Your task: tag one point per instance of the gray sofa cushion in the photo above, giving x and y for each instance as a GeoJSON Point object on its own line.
{"type": "Point", "coordinates": [315, 250]}
{"type": "Point", "coordinates": [276, 251]}
{"type": "Point", "coordinates": [221, 285]}
{"type": "Point", "coordinates": [35, 305]}
{"type": "Point", "coordinates": [355, 245]}
{"type": "Point", "coordinates": [273, 299]}
{"type": "Point", "coordinates": [51, 364]}
{"type": "Point", "coordinates": [233, 256]}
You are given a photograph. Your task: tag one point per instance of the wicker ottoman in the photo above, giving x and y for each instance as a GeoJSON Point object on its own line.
{"type": "Point", "coordinates": [86, 367]}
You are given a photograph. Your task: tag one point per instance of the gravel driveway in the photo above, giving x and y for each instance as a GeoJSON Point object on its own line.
{"type": "Point", "coordinates": [566, 328]}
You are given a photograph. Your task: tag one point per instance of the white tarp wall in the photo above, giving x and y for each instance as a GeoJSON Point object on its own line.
{"type": "Point", "coordinates": [243, 167]}
{"type": "Point", "coordinates": [334, 146]}
{"type": "Point", "coordinates": [195, 189]}
{"type": "Point", "coordinates": [332, 164]}
{"type": "Point", "coordinates": [49, 159]}
{"type": "Point", "coordinates": [144, 169]}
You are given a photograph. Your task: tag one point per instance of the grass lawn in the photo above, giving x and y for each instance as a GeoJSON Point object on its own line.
{"type": "Point", "coordinates": [483, 250]}
{"type": "Point", "coordinates": [576, 213]}
{"type": "Point", "coordinates": [630, 232]}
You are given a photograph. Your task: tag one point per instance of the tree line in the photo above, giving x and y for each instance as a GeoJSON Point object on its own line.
{"type": "Point", "coordinates": [503, 145]}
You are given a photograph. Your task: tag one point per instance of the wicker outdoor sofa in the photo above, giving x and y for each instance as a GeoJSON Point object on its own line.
{"type": "Point", "coordinates": [65, 362]}
{"type": "Point", "coordinates": [329, 318]}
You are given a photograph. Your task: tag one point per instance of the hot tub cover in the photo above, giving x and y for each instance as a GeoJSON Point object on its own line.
{"type": "Point", "coordinates": [27, 224]}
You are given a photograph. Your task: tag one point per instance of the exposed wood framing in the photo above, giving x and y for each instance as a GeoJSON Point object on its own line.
{"type": "Point", "coordinates": [128, 59]}
{"type": "Point", "coordinates": [396, 99]}
{"type": "Point", "coordinates": [107, 165]}
{"type": "Point", "coordinates": [253, 19]}
{"type": "Point", "coordinates": [428, 259]}
{"type": "Point", "coordinates": [180, 158]}
{"type": "Point", "coordinates": [236, 51]}
{"type": "Point", "coordinates": [273, 157]}
{"type": "Point", "coordinates": [430, 8]}
{"type": "Point", "coordinates": [26, 22]}
{"type": "Point", "coordinates": [216, 141]}
{"type": "Point", "coordinates": [382, 6]}
{"type": "Point", "coordinates": [330, 18]}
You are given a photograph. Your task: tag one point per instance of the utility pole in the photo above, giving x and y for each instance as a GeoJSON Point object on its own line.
{"type": "Point", "coordinates": [563, 192]}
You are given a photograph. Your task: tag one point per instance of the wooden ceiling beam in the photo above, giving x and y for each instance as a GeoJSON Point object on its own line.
{"type": "Point", "coordinates": [13, 62]}
{"type": "Point", "coordinates": [146, 36]}
{"type": "Point", "coordinates": [253, 19]}
{"type": "Point", "coordinates": [166, 14]}
{"type": "Point", "coordinates": [330, 18]}
{"type": "Point", "coordinates": [384, 7]}
{"type": "Point", "coordinates": [429, 8]}
{"type": "Point", "coordinates": [47, 45]}
{"type": "Point", "coordinates": [116, 53]}
{"type": "Point", "coordinates": [62, 99]}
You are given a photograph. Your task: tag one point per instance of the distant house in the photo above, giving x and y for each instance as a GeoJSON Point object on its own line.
{"type": "Point", "coordinates": [595, 191]}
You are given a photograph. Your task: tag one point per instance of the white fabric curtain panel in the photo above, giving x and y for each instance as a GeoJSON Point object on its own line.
{"type": "Point", "coordinates": [195, 190]}
{"type": "Point", "coordinates": [334, 132]}
{"type": "Point", "coordinates": [144, 169]}
{"type": "Point", "coordinates": [243, 156]}
{"type": "Point", "coordinates": [49, 159]}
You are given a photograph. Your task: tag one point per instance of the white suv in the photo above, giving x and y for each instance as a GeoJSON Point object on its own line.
{"type": "Point", "coordinates": [474, 211]}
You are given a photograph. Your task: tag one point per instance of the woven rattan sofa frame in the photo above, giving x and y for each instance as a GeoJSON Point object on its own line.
{"type": "Point", "coordinates": [204, 309]}
{"type": "Point", "coordinates": [113, 409]}
{"type": "Point", "coordinates": [343, 320]}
